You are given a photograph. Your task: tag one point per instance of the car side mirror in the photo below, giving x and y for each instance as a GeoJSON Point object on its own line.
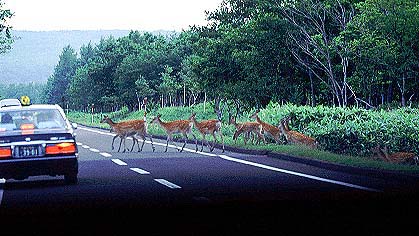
{"type": "Point", "coordinates": [74, 125]}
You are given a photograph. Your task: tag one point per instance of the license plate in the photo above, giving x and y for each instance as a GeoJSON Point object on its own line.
{"type": "Point", "coordinates": [27, 151]}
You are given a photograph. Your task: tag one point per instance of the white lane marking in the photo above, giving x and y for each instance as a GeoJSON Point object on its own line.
{"type": "Point", "coordinates": [119, 162]}
{"type": "Point", "coordinates": [140, 171]}
{"type": "Point", "coordinates": [85, 146]}
{"type": "Point", "coordinates": [263, 166]}
{"type": "Point", "coordinates": [2, 181]}
{"type": "Point", "coordinates": [297, 174]}
{"type": "Point", "coordinates": [80, 144]}
{"type": "Point", "coordinates": [105, 154]}
{"type": "Point", "coordinates": [167, 183]}
{"type": "Point", "coordinates": [96, 131]}
{"type": "Point", "coordinates": [94, 150]}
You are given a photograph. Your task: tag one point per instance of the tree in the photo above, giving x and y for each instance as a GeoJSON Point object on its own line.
{"type": "Point", "coordinates": [315, 39]}
{"type": "Point", "coordinates": [169, 86]}
{"type": "Point", "coordinates": [5, 35]}
{"type": "Point", "coordinates": [385, 35]}
{"type": "Point", "coordinates": [58, 83]}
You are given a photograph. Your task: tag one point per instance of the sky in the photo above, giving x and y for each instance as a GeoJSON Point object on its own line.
{"type": "Point", "coordinates": [143, 15]}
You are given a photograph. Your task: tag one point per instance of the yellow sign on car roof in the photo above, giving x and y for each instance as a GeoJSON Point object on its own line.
{"type": "Point", "coordinates": [25, 100]}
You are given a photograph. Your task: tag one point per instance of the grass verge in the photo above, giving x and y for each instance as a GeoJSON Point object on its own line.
{"type": "Point", "coordinates": [228, 130]}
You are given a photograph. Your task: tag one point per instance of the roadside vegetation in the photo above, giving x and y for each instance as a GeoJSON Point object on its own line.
{"type": "Point", "coordinates": [345, 136]}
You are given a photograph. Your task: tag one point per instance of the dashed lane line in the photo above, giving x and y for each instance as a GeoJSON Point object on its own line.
{"type": "Point", "coordinates": [225, 157]}
{"type": "Point", "coordinates": [105, 154]}
{"type": "Point", "coordinates": [85, 146]}
{"type": "Point", "coordinates": [119, 162]}
{"type": "Point", "coordinates": [140, 171]}
{"type": "Point", "coordinates": [167, 183]}
{"type": "Point", "coordinates": [94, 150]}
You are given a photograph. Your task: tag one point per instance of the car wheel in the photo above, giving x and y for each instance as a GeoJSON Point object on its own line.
{"type": "Point", "coordinates": [70, 179]}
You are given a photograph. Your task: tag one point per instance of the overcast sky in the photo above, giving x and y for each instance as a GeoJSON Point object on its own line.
{"type": "Point", "coordinates": [148, 15]}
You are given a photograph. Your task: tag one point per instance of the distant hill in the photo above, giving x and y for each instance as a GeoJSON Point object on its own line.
{"type": "Point", "coordinates": [36, 53]}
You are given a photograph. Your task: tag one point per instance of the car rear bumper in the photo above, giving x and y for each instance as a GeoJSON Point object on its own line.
{"type": "Point", "coordinates": [23, 168]}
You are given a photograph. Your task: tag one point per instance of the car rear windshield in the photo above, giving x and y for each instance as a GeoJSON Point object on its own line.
{"type": "Point", "coordinates": [31, 120]}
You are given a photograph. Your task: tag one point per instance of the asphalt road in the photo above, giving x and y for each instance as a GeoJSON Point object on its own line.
{"type": "Point", "coordinates": [198, 193]}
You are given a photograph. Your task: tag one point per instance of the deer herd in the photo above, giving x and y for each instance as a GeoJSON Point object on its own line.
{"type": "Point", "coordinates": [256, 129]}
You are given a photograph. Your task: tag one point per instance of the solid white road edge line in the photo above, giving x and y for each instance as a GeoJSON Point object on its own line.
{"type": "Point", "coordinates": [167, 183]}
{"type": "Point", "coordinates": [119, 162]}
{"type": "Point", "coordinates": [140, 171]}
{"type": "Point", "coordinates": [2, 181]}
{"type": "Point", "coordinates": [297, 174]}
{"type": "Point", "coordinates": [262, 166]}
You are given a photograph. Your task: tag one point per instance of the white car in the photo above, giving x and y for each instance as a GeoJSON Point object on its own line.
{"type": "Point", "coordinates": [10, 102]}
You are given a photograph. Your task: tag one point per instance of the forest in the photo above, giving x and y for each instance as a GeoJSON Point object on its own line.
{"type": "Point", "coordinates": [346, 70]}
{"type": "Point", "coordinates": [310, 52]}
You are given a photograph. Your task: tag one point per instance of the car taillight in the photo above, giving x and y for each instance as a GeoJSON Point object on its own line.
{"type": "Point", "coordinates": [5, 152]}
{"type": "Point", "coordinates": [60, 148]}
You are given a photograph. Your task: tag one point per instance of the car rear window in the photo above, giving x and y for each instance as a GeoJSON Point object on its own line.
{"type": "Point", "coordinates": [31, 120]}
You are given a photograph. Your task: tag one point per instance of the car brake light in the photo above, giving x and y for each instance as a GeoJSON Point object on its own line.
{"type": "Point", "coordinates": [5, 152]}
{"type": "Point", "coordinates": [60, 148]}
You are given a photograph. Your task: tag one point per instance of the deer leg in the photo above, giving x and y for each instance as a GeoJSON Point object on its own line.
{"type": "Point", "coordinates": [222, 139]}
{"type": "Point", "coordinates": [151, 139]}
{"type": "Point", "coordinates": [261, 136]}
{"type": "Point", "coordinates": [133, 142]}
{"type": "Point", "coordinates": [215, 141]}
{"type": "Point", "coordinates": [113, 140]}
{"type": "Point", "coordinates": [235, 135]}
{"type": "Point", "coordinates": [120, 143]}
{"type": "Point", "coordinates": [202, 143]}
{"type": "Point", "coordinates": [167, 143]}
{"type": "Point", "coordinates": [143, 137]}
{"type": "Point", "coordinates": [196, 142]}
{"type": "Point", "coordinates": [207, 143]}
{"type": "Point", "coordinates": [125, 146]}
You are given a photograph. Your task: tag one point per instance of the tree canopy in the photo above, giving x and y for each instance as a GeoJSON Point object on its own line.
{"type": "Point", "coordinates": [332, 52]}
{"type": "Point", "coordinates": [5, 28]}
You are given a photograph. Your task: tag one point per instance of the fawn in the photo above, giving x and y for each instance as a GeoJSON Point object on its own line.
{"type": "Point", "coordinates": [174, 127]}
{"type": "Point", "coordinates": [295, 137]}
{"type": "Point", "coordinates": [129, 128]}
{"type": "Point", "coordinates": [396, 157]}
{"type": "Point", "coordinates": [208, 127]}
{"type": "Point", "coordinates": [248, 128]}
{"type": "Point", "coordinates": [268, 129]}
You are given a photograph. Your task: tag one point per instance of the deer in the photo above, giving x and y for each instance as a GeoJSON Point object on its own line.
{"type": "Point", "coordinates": [173, 127]}
{"type": "Point", "coordinates": [295, 137]}
{"type": "Point", "coordinates": [130, 128]}
{"type": "Point", "coordinates": [248, 128]}
{"type": "Point", "coordinates": [208, 127]}
{"type": "Point", "coordinates": [396, 157]}
{"type": "Point", "coordinates": [268, 129]}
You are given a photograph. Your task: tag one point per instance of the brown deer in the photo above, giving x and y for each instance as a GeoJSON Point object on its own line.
{"type": "Point", "coordinates": [208, 127]}
{"type": "Point", "coordinates": [268, 129]}
{"type": "Point", "coordinates": [248, 128]}
{"type": "Point", "coordinates": [177, 126]}
{"type": "Point", "coordinates": [295, 137]}
{"type": "Point", "coordinates": [130, 128]}
{"type": "Point", "coordinates": [396, 157]}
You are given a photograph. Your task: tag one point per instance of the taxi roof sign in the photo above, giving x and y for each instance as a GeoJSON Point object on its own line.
{"type": "Point", "coordinates": [25, 100]}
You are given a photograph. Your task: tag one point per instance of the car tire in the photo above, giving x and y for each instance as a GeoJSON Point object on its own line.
{"type": "Point", "coordinates": [70, 179]}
